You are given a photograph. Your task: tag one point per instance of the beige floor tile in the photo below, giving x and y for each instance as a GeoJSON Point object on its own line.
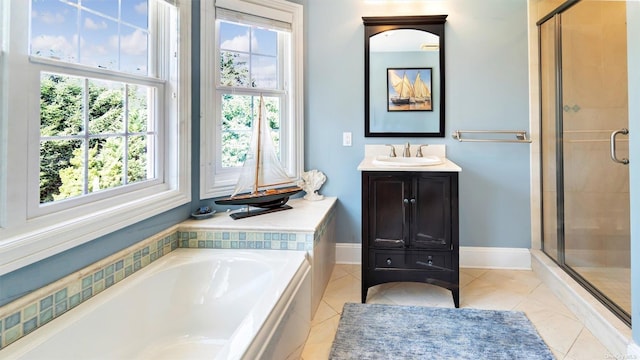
{"type": "Point", "coordinates": [556, 329]}
{"type": "Point", "coordinates": [587, 347]}
{"type": "Point", "coordinates": [320, 339]}
{"type": "Point", "coordinates": [338, 272]}
{"type": "Point", "coordinates": [518, 281]}
{"type": "Point", "coordinates": [479, 288]}
{"type": "Point", "coordinates": [323, 313]}
{"type": "Point", "coordinates": [342, 290]}
{"type": "Point", "coordinates": [483, 294]}
{"type": "Point", "coordinates": [418, 294]}
{"type": "Point", "coordinates": [473, 272]}
{"type": "Point", "coordinates": [544, 296]}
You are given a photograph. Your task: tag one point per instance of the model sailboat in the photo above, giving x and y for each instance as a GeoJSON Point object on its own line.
{"type": "Point", "coordinates": [263, 174]}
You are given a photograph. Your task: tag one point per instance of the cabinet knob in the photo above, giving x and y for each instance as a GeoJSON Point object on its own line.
{"type": "Point", "coordinates": [388, 261]}
{"type": "Point", "coordinates": [413, 201]}
{"type": "Point", "coordinates": [406, 201]}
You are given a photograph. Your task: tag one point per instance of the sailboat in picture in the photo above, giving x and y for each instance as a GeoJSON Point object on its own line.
{"type": "Point", "coordinates": [421, 90]}
{"type": "Point", "coordinates": [263, 174]}
{"type": "Point", "coordinates": [403, 88]}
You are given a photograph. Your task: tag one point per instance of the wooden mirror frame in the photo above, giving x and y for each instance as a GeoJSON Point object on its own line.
{"type": "Point", "coordinates": [433, 24]}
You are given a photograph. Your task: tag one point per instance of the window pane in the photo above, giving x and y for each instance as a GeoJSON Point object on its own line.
{"type": "Point", "coordinates": [105, 163]}
{"type": "Point", "coordinates": [238, 114]}
{"type": "Point", "coordinates": [264, 72]}
{"type": "Point", "coordinates": [137, 99]}
{"type": "Point", "coordinates": [99, 41]}
{"type": "Point", "coordinates": [54, 32]}
{"type": "Point", "coordinates": [234, 69]}
{"type": "Point", "coordinates": [60, 105]}
{"type": "Point", "coordinates": [133, 50]}
{"type": "Point", "coordinates": [138, 166]}
{"type": "Point", "coordinates": [106, 7]}
{"type": "Point", "coordinates": [135, 12]}
{"type": "Point", "coordinates": [106, 107]}
{"type": "Point", "coordinates": [92, 33]}
{"type": "Point", "coordinates": [61, 169]}
{"type": "Point", "coordinates": [111, 152]}
{"type": "Point", "coordinates": [264, 42]}
{"type": "Point", "coordinates": [234, 37]}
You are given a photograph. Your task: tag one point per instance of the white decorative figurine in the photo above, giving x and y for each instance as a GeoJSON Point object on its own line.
{"type": "Point", "coordinates": [311, 182]}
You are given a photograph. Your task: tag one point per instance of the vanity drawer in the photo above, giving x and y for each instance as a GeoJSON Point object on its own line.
{"type": "Point", "coordinates": [417, 260]}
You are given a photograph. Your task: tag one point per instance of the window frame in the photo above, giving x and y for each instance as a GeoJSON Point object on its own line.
{"type": "Point", "coordinates": [28, 234]}
{"type": "Point", "coordinates": [216, 181]}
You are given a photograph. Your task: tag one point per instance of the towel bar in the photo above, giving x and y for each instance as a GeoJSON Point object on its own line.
{"type": "Point", "coordinates": [521, 136]}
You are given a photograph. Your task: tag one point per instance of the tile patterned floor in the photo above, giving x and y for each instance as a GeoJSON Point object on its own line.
{"type": "Point", "coordinates": [479, 288]}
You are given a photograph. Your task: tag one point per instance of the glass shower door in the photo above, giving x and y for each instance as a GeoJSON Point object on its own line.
{"type": "Point", "coordinates": [595, 180]}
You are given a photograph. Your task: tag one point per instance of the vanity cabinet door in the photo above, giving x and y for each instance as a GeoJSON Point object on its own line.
{"type": "Point", "coordinates": [431, 225]}
{"type": "Point", "coordinates": [388, 226]}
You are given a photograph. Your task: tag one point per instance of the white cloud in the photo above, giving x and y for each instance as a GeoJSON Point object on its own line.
{"type": "Point", "coordinates": [92, 25]}
{"type": "Point", "coordinates": [57, 46]}
{"type": "Point", "coordinates": [132, 44]}
{"type": "Point", "coordinates": [240, 43]}
{"type": "Point", "coordinates": [141, 8]}
{"type": "Point", "coordinates": [48, 18]}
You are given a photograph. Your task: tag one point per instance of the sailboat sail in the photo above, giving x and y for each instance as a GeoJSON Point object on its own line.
{"type": "Point", "coordinates": [422, 92]}
{"type": "Point", "coordinates": [262, 168]}
{"type": "Point", "coordinates": [402, 86]}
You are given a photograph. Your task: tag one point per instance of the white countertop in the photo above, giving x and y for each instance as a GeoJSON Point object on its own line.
{"type": "Point", "coordinates": [305, 216]}
{"type": "Point", "coordinates": [447, 166]}
{"type": "Point", "coordinates": [372, 151]}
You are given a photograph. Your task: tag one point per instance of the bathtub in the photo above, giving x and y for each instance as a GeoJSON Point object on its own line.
{"type": "Point", "coordinates": [189, 304]}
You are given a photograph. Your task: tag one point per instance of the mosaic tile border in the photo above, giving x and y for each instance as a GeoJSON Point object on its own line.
{"type": "Point", "coordinates": [224, 239]}
{"type": "Point", "coordinates": [26, 314]}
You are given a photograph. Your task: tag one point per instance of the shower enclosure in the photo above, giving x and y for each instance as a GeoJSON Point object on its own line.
{"type": "Point", "coordinates": [584, 147]}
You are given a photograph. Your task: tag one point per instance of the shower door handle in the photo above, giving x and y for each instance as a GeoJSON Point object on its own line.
{"type": "Point", "coordinates": [614, 157]}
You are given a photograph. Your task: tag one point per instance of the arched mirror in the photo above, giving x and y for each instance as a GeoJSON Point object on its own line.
{"type": "Point", "coordinates": [404, 76]}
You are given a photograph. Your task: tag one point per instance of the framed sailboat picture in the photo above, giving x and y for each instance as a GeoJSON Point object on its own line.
{"type": "Point", "coordinates": [409, 89]}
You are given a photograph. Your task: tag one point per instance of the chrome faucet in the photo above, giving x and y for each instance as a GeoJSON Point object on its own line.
{"type": "Point", "coordinates": [392, 153]}
{"type": "Point", "coordinates": [407, 150]}
{"type": "Point", "coordinates": [419, 152]}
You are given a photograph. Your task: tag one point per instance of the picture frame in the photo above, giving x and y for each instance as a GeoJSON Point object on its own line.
{"type": "Point", "coordinates": [409, 89]}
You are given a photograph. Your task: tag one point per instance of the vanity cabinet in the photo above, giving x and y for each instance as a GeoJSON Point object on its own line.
{"type": "Point", "coordinates": [410, 229]}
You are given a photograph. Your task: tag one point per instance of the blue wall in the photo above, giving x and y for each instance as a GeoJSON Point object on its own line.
{"type": "Point", "coordinates": [486, 69]}
{"type": "Point", "coordinates": [486, 88]}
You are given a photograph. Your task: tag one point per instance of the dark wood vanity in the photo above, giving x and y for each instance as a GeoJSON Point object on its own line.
{"type": "Point", "coordinates": [410, 229]}
{"type": "Point", "coordinates": [410, 214]}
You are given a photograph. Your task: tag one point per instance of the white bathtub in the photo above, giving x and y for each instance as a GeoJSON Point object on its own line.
{"type": "Point", "coordinates": [189, 304]}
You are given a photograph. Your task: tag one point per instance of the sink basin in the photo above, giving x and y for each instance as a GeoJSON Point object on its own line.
{"type": "Point", "coordinates": [407, 161]}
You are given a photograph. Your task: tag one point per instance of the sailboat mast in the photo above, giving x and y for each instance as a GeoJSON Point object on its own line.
{"type": "Point", "coordinates": [259, 151]}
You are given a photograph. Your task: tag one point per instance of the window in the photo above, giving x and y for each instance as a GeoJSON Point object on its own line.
{"type": "Point", "coordinates": [3, 113]}
{"type": "Point", "coordinates": [100, 95]}
{"type": "Point", "coordinates": [249, 49]}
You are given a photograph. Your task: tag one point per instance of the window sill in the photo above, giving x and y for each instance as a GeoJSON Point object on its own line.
{"type": "Point", "coordinates": [30, 244]}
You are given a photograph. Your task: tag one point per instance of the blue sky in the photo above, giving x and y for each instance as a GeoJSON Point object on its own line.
{"type": "Point", "coordinates": [261, 43]}
{"type": "Point", "coordinates": [105, 33]}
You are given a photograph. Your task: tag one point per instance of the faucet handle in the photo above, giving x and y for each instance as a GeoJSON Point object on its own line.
{"type": "Point", "coordinates": [419, 152]}
{"type": "Point", "coordinates": [392, 153]}
{"type": "Point", "coordinates": [407, 150]}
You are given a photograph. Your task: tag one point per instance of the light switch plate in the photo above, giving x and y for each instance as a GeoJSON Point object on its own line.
{"type": "Point", "coordinates": [346, 138]}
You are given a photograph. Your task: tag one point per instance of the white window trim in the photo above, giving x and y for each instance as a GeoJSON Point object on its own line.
{"type": "Point", "coordinates": [4, 7]}
{"type": "Point", "coordinates": [24, 240]}
{"type": "Point", "coordinates": [280, 10]}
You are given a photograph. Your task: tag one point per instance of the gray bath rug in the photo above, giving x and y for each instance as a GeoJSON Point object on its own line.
{"type": "Point", "coordinates": [374, 331]}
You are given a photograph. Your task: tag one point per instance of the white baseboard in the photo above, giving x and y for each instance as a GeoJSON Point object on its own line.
{"type": "Point", "coordinates": [495, 258]}
{"type": "Point", "coordinates": [633, 351]}
{"type": "Point", "coordinates": [348, 253]}
{"type": "Point", "coordinates": [470, 257]}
